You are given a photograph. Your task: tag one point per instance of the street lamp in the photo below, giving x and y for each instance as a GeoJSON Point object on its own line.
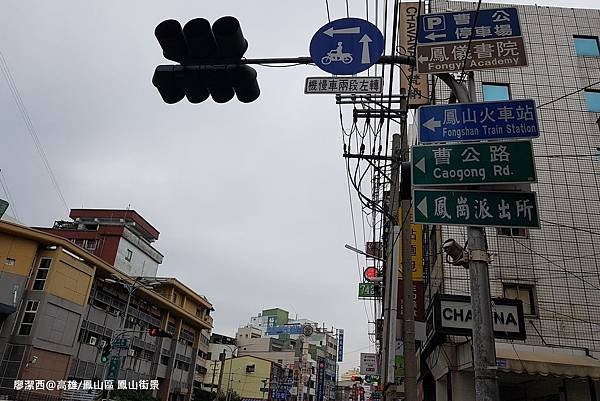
{"type": "Point", "coordinates": [228, 396]}
{"type": "Point", "coordinates": [130, 287]}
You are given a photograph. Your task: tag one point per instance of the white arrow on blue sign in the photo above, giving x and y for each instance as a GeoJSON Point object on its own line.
{"type": "Point", "coordinates": [346, 46]}
{"type": "Point", "coordinates": [478, 121]}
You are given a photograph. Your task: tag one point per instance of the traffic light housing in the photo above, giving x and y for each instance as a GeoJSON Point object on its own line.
{"type": "Point", "coordinates": [105, 356]}
{"type": "Point", "coordinates": [154, 332]}
{"type": "Point", "coordinates": [209, 59]}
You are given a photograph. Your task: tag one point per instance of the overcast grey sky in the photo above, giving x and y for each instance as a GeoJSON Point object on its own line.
{"type": "Point", "coordinates": [251, 199]}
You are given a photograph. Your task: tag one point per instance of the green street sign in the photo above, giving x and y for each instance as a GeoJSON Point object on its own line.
{"type": "Point", "coordinates": [398, 366]}
{"type": "Point", "coordinates": [474, 208]}
{"type": "Point", "coordinates": [3, 207]}
{"type": "Point", "coordinates": [122, 343]}
{"type": "Point", "coordinates": [473, 163]}
{"type": "Point", "coordinates": [113, 368]}
{"type": "Point", "coordinates": [366, 290]}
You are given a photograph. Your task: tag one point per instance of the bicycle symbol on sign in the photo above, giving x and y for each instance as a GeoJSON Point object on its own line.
{"type": "Point", "coordinates": [337, 55]}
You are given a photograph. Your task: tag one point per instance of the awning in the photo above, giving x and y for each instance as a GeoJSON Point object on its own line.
{"type": "Point", "coordinates": [6, 309]}
{"type": "Point", "coordinates": [546, 361]}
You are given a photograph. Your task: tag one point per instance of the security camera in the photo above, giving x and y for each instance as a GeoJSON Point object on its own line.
{"type": "Point", "coordinates": [455, 254]}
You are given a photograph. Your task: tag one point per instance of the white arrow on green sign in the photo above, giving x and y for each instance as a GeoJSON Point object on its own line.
{"type": "Point", "coordinates": [473, 163]}
{"type": "Point", "coordinates": [474, 208]}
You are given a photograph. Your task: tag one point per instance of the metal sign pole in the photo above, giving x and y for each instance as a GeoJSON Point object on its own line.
{"type": "Point", "coordinates": [484, 350]}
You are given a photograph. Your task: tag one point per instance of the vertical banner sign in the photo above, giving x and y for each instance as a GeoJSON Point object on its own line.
{"type": "Point", "coordinates": [416, 249]}
{"type": "Point", "coordinates": [320, 379]}
{"type": "Point", "coordinates": [340, 349]}
{"type": "Point", "coordinates": [407, 32]}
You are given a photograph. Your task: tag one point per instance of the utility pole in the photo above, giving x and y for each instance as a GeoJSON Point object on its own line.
{"type": "Point", "coordinates": [408, 307]}
{"type": "Point", "coordinates": [484, 350]}
{"type": "Point", "coordinates": [484, 346]}
{"type": "Point", "coordinates": [222, 357]}
{"type": "Point", "coordinates": [391, 278]}
{"type": "Point", "coordinates": [212, 384]}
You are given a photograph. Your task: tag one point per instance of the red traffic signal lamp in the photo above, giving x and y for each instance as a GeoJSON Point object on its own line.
{"type": "Point", "coordinates": [356, 379]}
{"type": "Point", "coordinates": [154, 332]}
{"type": "Point", "coordinates": [210, 62]}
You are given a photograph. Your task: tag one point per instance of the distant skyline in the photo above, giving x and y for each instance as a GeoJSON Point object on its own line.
{"type": "Point", "coordinates": [251, 200]}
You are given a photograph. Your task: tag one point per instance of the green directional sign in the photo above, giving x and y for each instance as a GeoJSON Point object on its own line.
{"type": "Point", "coordinates": [113, 368]}
{"type": "Point", "coordinates": [122, 343]}
{"type": "Point", "coordinates": [366, 290]}
{"type": "Point", "coordinates": [473, 208]}
{"type": "Point", "coordinates": [473, 163]}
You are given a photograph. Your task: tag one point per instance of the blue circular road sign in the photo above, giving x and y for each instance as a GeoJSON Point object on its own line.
{"type": "Point", "coordinates": [346, 46]}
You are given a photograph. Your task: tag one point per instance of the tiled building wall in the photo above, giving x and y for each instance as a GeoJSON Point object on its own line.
{"type": "Point", "coordinates": [562, 259]}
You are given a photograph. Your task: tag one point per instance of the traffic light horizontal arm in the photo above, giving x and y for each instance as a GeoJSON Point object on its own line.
{"type": "Point", "coordinates": [406, 60]}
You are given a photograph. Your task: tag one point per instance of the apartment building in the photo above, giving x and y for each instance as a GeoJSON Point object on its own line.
{"type": "Point", "coordinates": [554, 270]}
{"type": "Point", "coordinates": [120, 237]}
{"type": "Point", "coordinates": [60, 305]}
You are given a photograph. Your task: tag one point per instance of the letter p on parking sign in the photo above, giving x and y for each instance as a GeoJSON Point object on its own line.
{"type": "Point", "coordinates": [435, 23]}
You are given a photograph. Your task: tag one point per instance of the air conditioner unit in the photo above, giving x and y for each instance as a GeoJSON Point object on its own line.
{"type": "Point", "coordinates": [131, 352]}
{"type": "Point", "coordinates": [92, 340]}
{"type": "Point", "coordinates": [103, 343]}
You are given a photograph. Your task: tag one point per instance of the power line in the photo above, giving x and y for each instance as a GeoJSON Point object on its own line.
{"type": "Point", "coordinates": [557, 265]}
{"type": "Point", "coordinates": [29, 124]}
{"type": "Point", "coordinates": [568, 94]}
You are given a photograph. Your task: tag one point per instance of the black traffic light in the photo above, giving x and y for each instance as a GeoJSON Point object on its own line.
{"type": "Point", "coordinates": [154, 332]}
{"type": "Point", "coordinates": [106, 352]}
{"type": "Point", "coordinates": [209, 59]}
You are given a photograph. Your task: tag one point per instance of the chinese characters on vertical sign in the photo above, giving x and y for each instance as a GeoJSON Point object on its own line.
{"type": "Point", "coordinates": [340, 348]}
{"type": "Point", "coordinates": [416, 85]}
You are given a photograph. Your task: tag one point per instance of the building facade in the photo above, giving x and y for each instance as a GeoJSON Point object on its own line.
{"type": "Point", "coordinates": [282, 340]}
{"type": "Point", "coordinates": [62, 305]}
{"type": "Point", "coordinates": [121, 238]}
{"type": "Point", "coordinates": [251, 377]}
{"type": "Point", "coordinates": [220, 348]}
{"type": "Point", "coordinates": [554, 270]}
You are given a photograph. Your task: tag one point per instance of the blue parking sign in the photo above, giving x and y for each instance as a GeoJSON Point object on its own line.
{"type": "Point", "coordinates": [346, 46]}
{"type": "Point", "coordinates": [461, 25]}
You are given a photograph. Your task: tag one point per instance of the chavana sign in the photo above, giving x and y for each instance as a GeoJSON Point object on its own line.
{"type": "Point", "coordinates": [452, 315]}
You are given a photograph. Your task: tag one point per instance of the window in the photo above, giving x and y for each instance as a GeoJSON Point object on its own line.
{"type": "Point", "coordinates": [512, 232]}
{"type": "Point", "coordinates": [164, 360]}
{"type": "Point", "coordinates": [523, 292]}
{"type": "Point", "coordinates": [129, 255]}
{"type": "Point", "coordinates": [182, 365]}
{"type": "Point", "coordinates": [592, 98]}
{"type": "Point", "coordinates": [42, 274]}
{"type": "Point", "coordinates": [586, 45]}
{"type": "Point", "coordinates": [492, 92]}
{"type": "Point", "coordinates": [91, 244]}
{"type": "Point", "coordinates": [28, 317]}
